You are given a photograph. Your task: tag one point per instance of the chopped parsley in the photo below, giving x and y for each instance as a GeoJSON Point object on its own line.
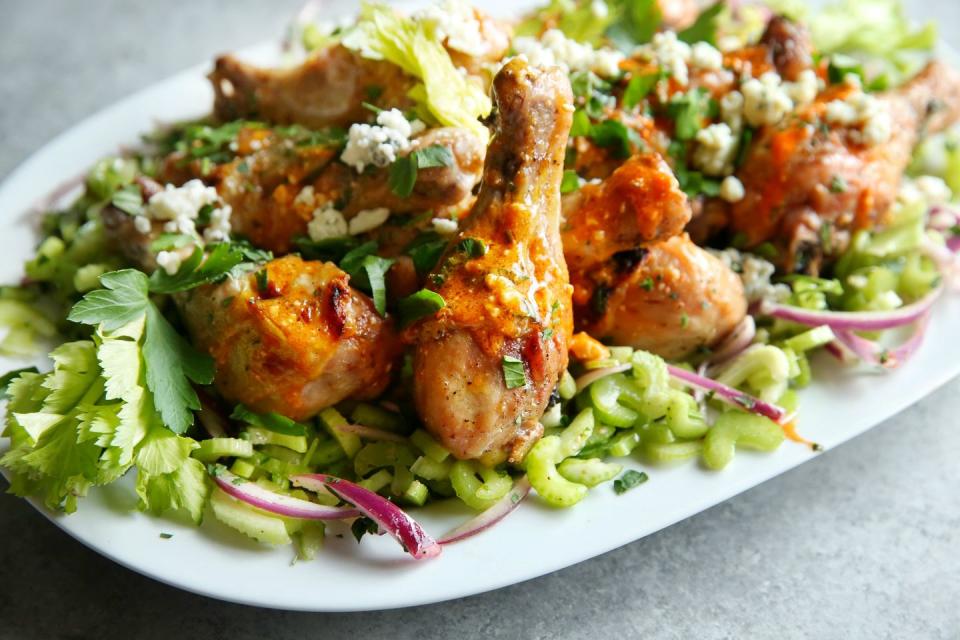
{"type": "Point", "coordinates": [367, 272]}
{"type": "Point", "coordinates": [639, 88]}
{"type": "Point", "coordinates": [128, 199]}
{"type": "Point", "coordinates": [425, 251]}
{"type": "Point", "coordinates": [170, 361]}
{"type": "Point", "coordinates": [616, 136]}
{"type": "Point", "coordinates": [197, 270]}
{"type": "Point", "coordinates": [629, 480]}
{"type": "Point", "coordinates": [514, 373]}
{"type": "Point", "coordinates": [419, 305]}
{"type": "Point", "coordinates": [570, 182]}
{"type": "Point", "coordinates": [838, 184]}
{"type": "Point", "coordinates": [472, 247]}
{"type": "Point", "coordinates": [403, 172]}
{"type": "Point", "coordinates": [270, 421]}
{"type": "Point", "coordinates": [363, 526]}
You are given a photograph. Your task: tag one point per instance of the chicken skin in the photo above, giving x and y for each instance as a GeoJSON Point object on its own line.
{"type": "Point", "coordinates": [265, 183]}
{"type": "Point", "coordinates": [293, 338]}
{"type": "Point", "coordinates": [304, 342]}
{"type": "Point", "coordinates": [809, 187]}
{"type": "Point", "coordinates": [486, 364]}
{"type": "Point", "coordinates": [638, 280]}
{"type": "Point", "coordinates": [676, 299]}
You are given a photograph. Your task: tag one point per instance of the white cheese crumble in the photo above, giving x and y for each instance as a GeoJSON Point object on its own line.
{"type": "Point", "coordinates": [142, 224]}
{"type": "Point", "coordinates": [765, 100]}
{"type": "Point", "coordinates": [306, 197]}
{"type": "Point", "coordinates": [444, 226]}
{"type": "Point", "coordinates": [555, 49]}
{"type": "Point", "coordinates": [706, 56]}
{"type": "Point", "coordinates": [174, 203]}
{"type": "Point", "coordinates": [219, 228]}
{"type": "Point", "coordinates": [169, 261]}
{"type": "Point", "coordinates": [755, 273]}
{"type": "Point", "coordinates": [367, 220]}
{"type": "Point", "coordinates": [716, 150]}
{"type": "Point", "coordinates": [731, 110]}
{"type": "Point", "coordinates": [327, 222]}
{"type": "Point", "coordinates": [671, 54]}
{"type": "Point", "coordinates": [805, 89]}
{"type": "Point", "coordinates": [862, 110]}
{"type": "Point", "coordinates": [929, 190]}
{"type": "Point", "coordinates": [379, 144]}
{"type": "Point", "coordinates": [731, 189]}
{"type": "Point", "coordinates": [456, 25]}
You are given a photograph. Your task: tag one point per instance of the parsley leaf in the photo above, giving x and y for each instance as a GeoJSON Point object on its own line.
{"type": "Point", "coordinates": [196, 270]}
{"type": "Point", "coordinates": [514, 374]}
{"type": "Point", "coordinates": [581, 124]}
{"type": "Point", "coordinates": [328, 249]}
{"type": "Point", "coordinates": [270, 421]}
{"type": "Point", "coordinates": [704, 29]}
{"type": "Point", "coordinates": [639, 88]}
{"type": "Point", "coordinates": [425, 251]}
{"type": "Point", "coordinates": [122, 300]}
{"type": "Point", "coordinates": [367, 271]}
{"type": "Point", "coordinates": [403, 172]}
{"type": "Point", "coordinates": [128, 199]}
{"type": "Point", "coordinates": [472, 247]}
{"type": "Point", "coordinates": [629, 480]}
{"type": "Point", "coordinates": [615, 135]}
{"type": "Point", "coordinates": [688, 111]}
{"type": "Point", "coordinates": [570, 182]}
{"type": "Point", "coordinates": [640, 20]}
{"type": "Point", "coordinates": [419, 305]}
{"type": "Point", "coordinates": [171, 362]}
{"type": "Point", "coordinates": [363, 526]}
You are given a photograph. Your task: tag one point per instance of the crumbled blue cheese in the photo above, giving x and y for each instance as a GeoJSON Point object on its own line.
{"type": "Point", "coordinates": [444, 226]}
{"type": "Point", "coordinates": [367, 220]}
{"type": "Point", "coordinates": [306, 197]}
{"type": "Point", "coordinates": [219, 228]}
{"type": "Point", "coordinates": [555, 49]}
{"type": "Point", "coordinates": [705, 56]}
{"type": "Point", "coordinates": [457, 26]}
{"type": "Point", "coordinates": [731, 110]}
{"type": "Point", "coordinates": [755, 273]}
{"type": "Point", "coordinates": [805, 89]}
{"type": "Point", "coordinates": [670, 54]}
{"type": "Point", "coordinates": [716, 150]}
{"type": "Point", "coordinates": [732, 190]}
{"type": "Point", "coordinates": [174, 203]}
{"type": "Point", "coordinates": [327, 222]}
{"type": "Point", "coordinates": [765, 100]}
{"type": "Point", "coordinates": [169, 261]}
{"type": "Point", "coordinates": [142, 224]}
{"type": "Point", "coordinates": [379, 144]}
{"type": "Point", "coordinates": [868, 116]}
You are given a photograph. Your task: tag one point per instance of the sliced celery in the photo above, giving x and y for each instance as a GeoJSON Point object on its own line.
{"type": "Point", "coordinates": [541, 465]}
{"type": "Point", "coordinates": [377, 481]}
{"type": "Point", "coordinates": [416, 494]}
{"type": "Point", "coordinates": [430, 447]}
{"type": "Point", "coordinates": [379, 418]}
{"type": "Point", "coordinates": [683, 416]}
{"type": "Point", "coordinates": [260, 436]}
{"type": "Point", "coordinates": [808, 340]}
{"type": "Point", "coordinates": [604, 396]}
{"type": "Point", "coordinates": [567, 387]}
{"type": "Point", "coordinates": [574, 437]}
{"type": "Point", "coordinates": [623, 444]}
{"type": "Point", "coordinates": [377, 455]}
{"type": "Point", "coordinates": [242, 468]}
{"type": "Point", "coordinates": [214, 448]}
{"type": "Point", "coordinates": [673, 451]}
{"type": "Point", "coordinates": [310, 539]}
{"type": "Point", "coordinates": [247, 520]}
{"type": "Point", "coordinates": [349, 442]}
{"type": "Point", "coordinates": [737, 428]}
{"type": "Point", "coordinates": [431, 469]}
{"type": "Point", "coordinates": [589, 472]}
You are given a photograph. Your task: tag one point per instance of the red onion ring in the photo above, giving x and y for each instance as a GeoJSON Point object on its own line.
{"type": "Point", "coordinates": [387, 515]}
{"type": "Point", "coordinates": [288, 506]}
{"type": "Point", "coordinates": [494, 514]}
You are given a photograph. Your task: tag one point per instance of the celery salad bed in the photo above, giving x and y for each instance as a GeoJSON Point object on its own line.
{"type": "Point", "coordinates": [129, 393]}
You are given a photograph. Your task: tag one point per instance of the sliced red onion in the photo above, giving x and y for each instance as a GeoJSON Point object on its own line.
{"type": "Point", "coordinates": [483, 521]}
{"type": "Point", "coordinates": [739, 339]}
{"type": "Point", "coordinates": [874, 353]}
{"type": "Point", "coordinates": [953, 243]}
{"type": "Point", "coordinates": [587, 379]}
{"type": "Point", "coordinates": [730, 395]}
{"type": "Point", "coordinates": [943, 217]}
{"type": "Point", "coordinates": [370, 433]}
{"type": "Point", "coordinates": [854, 320]}
{"type": "Point", "coordinates": [837, 351]}
{"type": "Point", "coordinates": [387, 515]}
{"type": "Point", "coordinates": [261, 498]}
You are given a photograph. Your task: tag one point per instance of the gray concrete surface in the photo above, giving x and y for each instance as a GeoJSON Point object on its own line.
{"type": "Point", "coordinates": [863, 542]}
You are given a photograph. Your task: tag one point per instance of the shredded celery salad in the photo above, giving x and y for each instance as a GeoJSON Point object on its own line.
{"type": "Point", "coordinates": [129, 394]}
